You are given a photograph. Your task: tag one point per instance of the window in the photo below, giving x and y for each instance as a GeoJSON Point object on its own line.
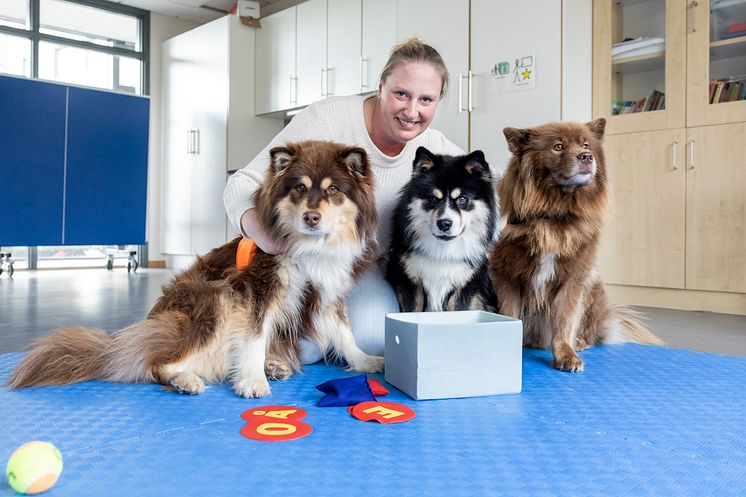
{"type": "Point", "coordinates": [84, 42]}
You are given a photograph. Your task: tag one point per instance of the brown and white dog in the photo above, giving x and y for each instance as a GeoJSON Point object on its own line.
{"type": "Point", "coordinates": [554, 196]}
{"type": "Point", "coordinates": [215, 323]}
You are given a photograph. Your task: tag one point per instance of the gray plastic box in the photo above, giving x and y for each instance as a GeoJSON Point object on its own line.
{"type": "Point", "coordinates": [440, 355]}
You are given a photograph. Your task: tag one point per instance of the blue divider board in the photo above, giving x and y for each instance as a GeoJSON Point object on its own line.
{"type": "Point", "coordinates": [638, 421]}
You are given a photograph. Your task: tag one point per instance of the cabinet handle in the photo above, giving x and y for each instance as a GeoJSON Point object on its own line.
{"type": "Point", "coordinates": [363, 74]}
{"type": "Point", "coordinates": [189, 141]}
{"type": "Point", "coordinates": [323, 82]}
{"type": "Point", "coordinates": [196, 142]}
{"type": "Point", "coordinates": [460, 92]}
{"type": "Point", "coordinates": [471, 93]}
{"type": "Point", "coordinates": [293, 89]}
{"type": "Point", "coordinates": [326, 90]}
{"type": "Point", "coordinates": [693, 6]}
{"type": "Point", "coordinates": [691, 155]}
{"type": "Point", "coordinates": [674, 162]}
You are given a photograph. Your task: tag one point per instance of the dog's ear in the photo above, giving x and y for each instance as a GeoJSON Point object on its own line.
{"type": "Point", "coordinates": [476, 164]}
{"type": "Point", "coordinates": [280, 158]}
{"type": "Point", "coordinates": [597, 127]}
{"type": "Point", "coordinates": [517, 139]}
{"type": "Point", "coordinates": [424, 160]}
{"type": "Point", "coordinates": [356, 160]}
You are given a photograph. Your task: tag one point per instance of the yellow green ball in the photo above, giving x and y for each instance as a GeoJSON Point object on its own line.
{"type": "Point", "coordinates": [34, 467]}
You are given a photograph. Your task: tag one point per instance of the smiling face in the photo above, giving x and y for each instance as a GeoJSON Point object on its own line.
{"type": "Point", "coordinates": [407, 100]}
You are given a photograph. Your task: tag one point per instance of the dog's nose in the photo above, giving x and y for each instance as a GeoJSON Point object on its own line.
{"type": "Point", "coordinates": [444, 224]}
{"type": "Point", "coordinates": [312, 218]}
{"type": "Point", "coordinates": [585, 157]}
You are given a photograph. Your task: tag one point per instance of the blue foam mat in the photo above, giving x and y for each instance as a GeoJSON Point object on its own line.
{"type": "Point", "coordinates": [638, 421]}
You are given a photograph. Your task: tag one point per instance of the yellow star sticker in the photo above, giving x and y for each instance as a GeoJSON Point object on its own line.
{"type": "Point", "coordinates": [526, 74]}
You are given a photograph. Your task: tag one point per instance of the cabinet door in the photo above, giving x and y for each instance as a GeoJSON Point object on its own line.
{"type": "Point", "coordinates": [311, 45]}
{"type": "Point", "coordinates": [493, 108]}
{"type": "Point", "coordinates": [32, 161]}
{"type": "Point", "coordinates": [378, 37]}
{"type": "Point", "coordinates": [176, 180]}
{"type": "Point", "coordinates": [444, 24]}
{"type": "Point", "coordinates": [107, 168]}
{"type": "Point", "coordinates": [716, 208]}
{"type": "Point", "coordinates": [640, 85]}
{"type": "Point", "coordinates": [275, 63]}
{"type": "Point", "coordinates": [643, 241]}
{"type": "Point", "coordinates": [716, 63]}
{"type": "Point", "coordinates": [343, 49]}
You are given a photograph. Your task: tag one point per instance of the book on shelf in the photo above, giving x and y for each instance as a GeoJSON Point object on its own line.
{"type": "Point", "coordinates": [728, 89]}
{"type": "Point", "coordinates": [734, 34]}
{"type": "Point", "coordinates": [638, 46]}
{"type": "Point", "coordinates": [655, 101]}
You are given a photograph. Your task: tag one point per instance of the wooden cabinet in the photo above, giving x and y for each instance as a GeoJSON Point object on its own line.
{"type": "Point", "coordinates": [209, 129]}
{"type": "Point", "coordinates": [670, 76]}
{"type": "Point", "coordinates": [322, 48]}
{"type": "Point", "coordinates": [75, 162]}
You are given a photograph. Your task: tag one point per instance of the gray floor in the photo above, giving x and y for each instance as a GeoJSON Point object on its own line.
{"type": "Point", "coordinates": [34, 302]}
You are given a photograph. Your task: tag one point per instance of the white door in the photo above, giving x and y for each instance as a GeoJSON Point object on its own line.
{"type": "Point", "coordinates": [378, 37]}
{"type": "Point", "coordinates": [343, 49]}
{"type": "Point", "coordinates": [504, 32]}
{"type": "Point", "coordinates": [275, 63]}
{"type": "Point", "coordinates": [311, 46]}
{"type": "Point", "coordinates": [444, 24]}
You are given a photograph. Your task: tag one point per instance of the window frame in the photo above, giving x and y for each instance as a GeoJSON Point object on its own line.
{"type": "Point", "coordinates": [34, 34]}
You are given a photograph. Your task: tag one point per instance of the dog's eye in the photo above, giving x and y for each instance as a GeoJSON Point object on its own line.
{"type": "Point", "coordinates": [301, 188]}
{"type": "Point", "coordinates": [332, 190]}
{"type": "Point", "coordinates": [558, 147]}
{"type": "Point", "coordinates": [462, 201]}
{"type": "Point", "coordinates": [433, 199]}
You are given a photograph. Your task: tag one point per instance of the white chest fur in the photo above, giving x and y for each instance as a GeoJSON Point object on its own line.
{"type": "Point", "coordinates": [544, 272]}
{"type": "Point", "coordinates": [437, 278]}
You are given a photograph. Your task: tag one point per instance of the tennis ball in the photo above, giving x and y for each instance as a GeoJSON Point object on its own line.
{"type": "Point", "coordinates": [34, 467]}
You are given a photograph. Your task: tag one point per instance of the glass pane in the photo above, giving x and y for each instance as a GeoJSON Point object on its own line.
{"type": "Point", "coordinates": [69, 256]}
{"type": "Point", "coordinates": [15, 13]}
{"type": "Point", "coordinates": [88, 67]}
{"type": "Point", "coordinates": [15, 55]}
{"type": "Point", "coordinates": [14, 257]}
{"type": "Point", "coordinates": [727, 50]}
{"type": "Point", "coordinates": [81, 22]}
{"type": "Point", "coordinates": [638, 56]}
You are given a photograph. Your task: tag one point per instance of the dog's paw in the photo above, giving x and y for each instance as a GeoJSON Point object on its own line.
{"type": "Point", "coordinates": [368, 364]}
{"type": "Point", "coordinates": [568, 362]}
{"type": "Point", "coordinates": [187, 383]}
{"type": "Point", "coordinates": [252, 387]}
{"type": "Point", "coordinates": [580, 344]}
{"type": "Point", "coordinates": [277, 369]}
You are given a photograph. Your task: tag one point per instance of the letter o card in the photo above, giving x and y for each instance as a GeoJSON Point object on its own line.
{"type": "Point", "coordinates": [275, 423]}
{"type": "Point", "coordinates": [383, 412]}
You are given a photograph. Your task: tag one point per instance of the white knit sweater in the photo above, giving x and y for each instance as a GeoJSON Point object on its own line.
{"type": "Point", "coordinates": [338, 119]}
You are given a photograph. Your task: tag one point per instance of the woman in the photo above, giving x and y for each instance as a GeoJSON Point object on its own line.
{"type": "Point", "coordinates": [390, 126]}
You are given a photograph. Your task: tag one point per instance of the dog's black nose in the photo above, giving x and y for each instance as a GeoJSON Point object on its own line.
{"type": "Point", "coordinates": [444, 224]}
{"type": "Point", "coordinates": [585, 157]}
{"type": "Point", "coordinates": [312, 218]}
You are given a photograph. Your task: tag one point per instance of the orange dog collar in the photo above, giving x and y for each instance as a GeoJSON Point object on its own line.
{"type": "Point", "coordinates": [245, 253]}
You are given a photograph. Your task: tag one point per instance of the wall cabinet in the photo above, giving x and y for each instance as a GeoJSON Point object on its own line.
{"type": "Point", "coordinates": [75, 164]}
{"type": "Point", "coordinates": [322, 48]}
{"type": "Point", "coordinates": [670, 77]}
{"type": "Point", "coordinates": [209, 129]}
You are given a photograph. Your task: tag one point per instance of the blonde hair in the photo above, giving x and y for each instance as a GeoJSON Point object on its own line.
{"type": "Point", "coordinates": [414, 50]}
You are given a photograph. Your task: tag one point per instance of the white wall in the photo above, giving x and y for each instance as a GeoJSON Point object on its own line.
{"type": "Point", "coordinates": [161, 28]}
{"type": "Point", "coordinates": [577, 60]}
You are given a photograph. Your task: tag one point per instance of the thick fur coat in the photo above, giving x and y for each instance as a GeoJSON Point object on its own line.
{"type": "Point", "coordinates": [214, 323]}
{"type": "Point", "coordinates": [444, 226]}
{"type": "Point", "coordinates": [554, 196]}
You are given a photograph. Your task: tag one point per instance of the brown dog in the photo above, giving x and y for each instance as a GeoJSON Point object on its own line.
{"type": "Point", "coordinates": [554, 196]}
{"type": "Point", "coordinates": [214, 323]}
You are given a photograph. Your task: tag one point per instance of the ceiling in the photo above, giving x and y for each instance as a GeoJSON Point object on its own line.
{"type": "Point", "coordinates": [200, 11]}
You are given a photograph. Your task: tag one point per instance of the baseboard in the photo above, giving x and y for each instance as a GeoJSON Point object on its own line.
{"type": "Point", "coordinates": [687, 300]}
{"type": "Point", "coordinates": [157, 264]}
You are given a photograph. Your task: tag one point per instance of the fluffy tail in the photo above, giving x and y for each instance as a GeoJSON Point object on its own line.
{"type": "Point", "coordinates": [631, 328]}
{"type": "Point", "coordinates": [69, 355]}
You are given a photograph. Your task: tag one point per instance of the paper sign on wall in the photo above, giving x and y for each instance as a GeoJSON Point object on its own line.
{"type": "Point", "coordinates": [514, 74]}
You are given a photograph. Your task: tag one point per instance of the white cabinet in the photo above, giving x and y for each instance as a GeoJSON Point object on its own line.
{"type": "Point", "coordinates": [209, 128]}
{"type": "Point", "coordinates": [475, 110]}
{"type": "Point", "coordinates": [322, 48]}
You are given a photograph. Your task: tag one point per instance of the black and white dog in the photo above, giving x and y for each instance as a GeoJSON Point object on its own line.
{"type": "Point", "coordinates": [445, 223]}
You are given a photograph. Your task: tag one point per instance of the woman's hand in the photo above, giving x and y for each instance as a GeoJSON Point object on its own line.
{"type": "Point", "coordinates": [256, 232]}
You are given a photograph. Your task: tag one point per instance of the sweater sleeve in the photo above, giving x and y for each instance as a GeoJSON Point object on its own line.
{"type": "Point", "coordinates": [238, 196]}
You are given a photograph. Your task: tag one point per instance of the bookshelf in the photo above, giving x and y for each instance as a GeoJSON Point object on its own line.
{"type": "Point", "coordinates": [677, 232]}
